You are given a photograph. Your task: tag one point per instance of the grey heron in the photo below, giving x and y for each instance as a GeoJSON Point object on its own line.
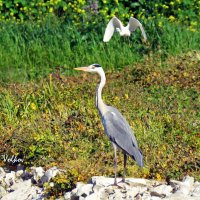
{"type": "Point", "coordinates": [116, 24]}
{"type": "Point", "coordinates": [115, 125]}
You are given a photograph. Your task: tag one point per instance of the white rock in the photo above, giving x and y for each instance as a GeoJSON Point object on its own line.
{"type": "Point", "coordinates": [38, 172]}
{"type": "Point", "coordinates": [22, 191]}
{"type": "Point", "coordinates": [96, 188]}
{"type": "Point", "coordinates": [2, 177]}
{"type": "Point", "coordinates": [2, 192]}
{"type": "Point", "coordinates": [19, 173]}
{"type": "Point", "coordinates": [133, 191]}
{"type": "Point", "coordinates": [186, 186]}
{"type": "Point", "coordinates": [67, 196]}
{"type": "Point", "coordinates": [181, 197]}
{"type": "Point", "coordinates": [162, 189]}
{"type": "Point", "coordinates": [196, 191]}
{"type": "Point", "coordinates": [189, 181]}
{"type": "Point", "coordinates": [10, 178]}
{"type": "Point", "coordinates": [48, 175]}
{"type": "Point", "coordinates": [155, 198]}
{"type": "Point", "coordinates": [146, 196]}
{"type": "Point", "coordinates": [184, 189]}
{"type": "Point", "coordinates": [92, 196]}
{"type": "Point", "coordinates": [82, 190]}
{"type": "Point", "coordinates": [139, 181]}
{"type": "Point", "coordinates": [2, 172]}
{"type": "Point", "coordinates": [101, 180]}
{"type": "Point", "coordinates": [51, 184]}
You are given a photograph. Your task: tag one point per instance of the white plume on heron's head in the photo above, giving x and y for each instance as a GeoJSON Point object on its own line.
{"type": "Point", "coordinates": [95, 68]}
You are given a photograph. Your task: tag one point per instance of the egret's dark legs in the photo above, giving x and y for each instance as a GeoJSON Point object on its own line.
{"type": "Point", "coordinates": [125, 159]}
{"type": "Point", "coordinates": [115, 164]}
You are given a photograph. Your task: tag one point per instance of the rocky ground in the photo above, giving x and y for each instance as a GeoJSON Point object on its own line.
{"type": "Point", "coordinates": [24, 185]}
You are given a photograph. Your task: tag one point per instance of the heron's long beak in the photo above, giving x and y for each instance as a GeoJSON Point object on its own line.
{"type": "Point", "coordinates": [82, 68]}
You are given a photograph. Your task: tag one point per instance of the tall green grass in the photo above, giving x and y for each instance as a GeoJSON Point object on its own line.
{"type": "Point", "coordinates": [32, 50]}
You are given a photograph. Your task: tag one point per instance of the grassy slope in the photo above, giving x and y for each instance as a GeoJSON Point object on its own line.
{"type": "Point", "coordinates": [55, 122]}
{"type": "Point", "coordinates": [30, 50]}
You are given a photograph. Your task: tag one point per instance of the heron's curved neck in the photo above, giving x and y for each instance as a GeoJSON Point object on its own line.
{"type": "Point", "coordinates": [99, 101]}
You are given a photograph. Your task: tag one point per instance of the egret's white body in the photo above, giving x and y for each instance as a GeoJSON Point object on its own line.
{"type": "Point", "coordinates": [116, 25]}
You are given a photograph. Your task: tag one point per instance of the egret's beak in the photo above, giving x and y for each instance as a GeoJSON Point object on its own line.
{"type": "Point", "coordinates": [82, 68]}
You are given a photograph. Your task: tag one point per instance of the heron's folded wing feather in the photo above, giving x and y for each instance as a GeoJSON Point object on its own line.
{"type": "Point", "coordinates": [112, 25]}
{"type": "Point", "coordinates": [119, 132]}
{"type": "Point", "coordinates": [133, 24]}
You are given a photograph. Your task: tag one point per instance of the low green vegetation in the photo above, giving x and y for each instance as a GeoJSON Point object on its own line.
{"type": "Point", "coordinates": [54, 122]}
{"type": "Point", "coordinates": [31, 50]}
{"type": "Point", "coordinates": [47, 111]}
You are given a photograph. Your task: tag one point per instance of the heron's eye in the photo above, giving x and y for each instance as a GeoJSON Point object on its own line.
{"type": "Point", "coordinates": [93, 67]}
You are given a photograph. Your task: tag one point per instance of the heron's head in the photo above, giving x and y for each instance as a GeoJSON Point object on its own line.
{"type": "Point", "coordinates": [94, 68]}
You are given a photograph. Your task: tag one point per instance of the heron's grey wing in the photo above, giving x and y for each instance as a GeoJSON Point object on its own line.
{"type": "Point", "coordinates": [133, 24]}
{"type": "Point", "coordinates": [112, 25]}
{"type": "Point", "coordinates": [120, 133]}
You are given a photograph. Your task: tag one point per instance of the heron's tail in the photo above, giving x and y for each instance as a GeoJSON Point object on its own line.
{"type": "Point", "coordinates": [138, 157]}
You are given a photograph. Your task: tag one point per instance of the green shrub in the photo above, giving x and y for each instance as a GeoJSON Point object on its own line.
{"type": "Point", "coordinates": [54, 122]}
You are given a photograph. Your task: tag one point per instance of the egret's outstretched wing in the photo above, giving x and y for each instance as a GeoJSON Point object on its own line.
{"type": "Point", "coordinates": [120, 133]}
{"type": "Point", "coordinates": [112, 25]}
{"type": "Point", "coordinates": [133, 24]}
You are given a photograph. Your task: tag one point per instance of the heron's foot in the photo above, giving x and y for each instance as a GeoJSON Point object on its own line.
{"type": "Point", "coordinates": [116, 185]}
{"type": "Point", "coordinates": [124, 181]}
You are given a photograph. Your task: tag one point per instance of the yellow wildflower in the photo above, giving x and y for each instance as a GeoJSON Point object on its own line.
{"type": "Point", "coordinates": [50, 9]}
{"type": "Point", "coordinates": [33, 106]}
{"type": "Point", "coordinates": [192, 29]}
{"type": "Point", "coordinates": [193, 23]}
{"type": "Point", "coordinates": [185, 74]}
{"type": "Point", "coordinates": [126, 96]}
{"type": "Point", "coordinates": [171, 18]}
{"type": "Point", "coordinates": [158, 177]}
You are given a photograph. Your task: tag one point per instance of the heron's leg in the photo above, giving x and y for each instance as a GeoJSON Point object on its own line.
{"type": "Point", "coordinates": [125, 159]}
{"type": "Point", "coordinates": [115, 163]}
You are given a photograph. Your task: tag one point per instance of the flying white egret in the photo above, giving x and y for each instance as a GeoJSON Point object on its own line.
{"type": "Point", "coordinates": [116, 24]}
{"type": "Point", "coordinates": [115, 125]}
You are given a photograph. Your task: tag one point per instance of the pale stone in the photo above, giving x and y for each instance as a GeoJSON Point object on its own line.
{"type": "Point", "coordinates": [22, 191]}
{"type": "Point", "coordinates": [2, 179]}
{"type": "Point", "coordinates": [196, 191]}
{"type": "Point", "coordinates": [2, 172]}
{"type": "Point", "coordinates": [101, 180]}
{"type": "Point", "coordinates": [19, 173]}
{"type": "Point", "coordinates": [155, 198]}
{"type": "Point", "coordinates": [189, 181]}
{"type": "Point", "coordinates": [146, 196]}
{"type": "Point", "coordinates": [181, 197]}
{"type": "Point", "coordinates": [140, 181]}
{"type": "Point", "coordinates": [48, 175]}
{"type": "Point", "coordinates": [2, 192]}
{"type": "Point", "coordinates": [162, 189]}
{"type": "Point", "coordinates": [67, 196]}
{"type": "Point", "coordinates": [10, 178]}
{"type": "Point", "coordinates": [38, 172]}
{"type": "Point", "coordinates": [92, 196]}
{"type": "Point", "coordinates": [82, 190]}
